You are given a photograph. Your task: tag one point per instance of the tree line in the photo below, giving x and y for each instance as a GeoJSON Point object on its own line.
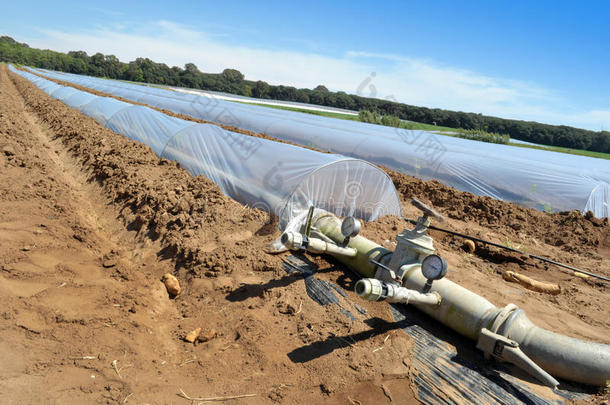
{"type": "Point", "coordinates": [232, 81]}
{"type": "Point", "coordinates": [373, 117]}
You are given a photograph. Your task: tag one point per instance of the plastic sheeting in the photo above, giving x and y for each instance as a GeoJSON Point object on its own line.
{"type": "Point", "coordinates": [276, 177]}
{"type": "Point", "coordinates": [542, 179]}
{"type": "Point", "coordinates": [437, 365]}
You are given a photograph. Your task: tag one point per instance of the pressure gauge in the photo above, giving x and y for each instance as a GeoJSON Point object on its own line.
{"type": "Point", "coordinates": [434, 267]}
{"type": "Point", "coordinates": [350, 227]}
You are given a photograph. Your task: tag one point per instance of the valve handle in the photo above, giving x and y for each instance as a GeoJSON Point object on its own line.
{"type": "Point", "coordinates": [427, 210]}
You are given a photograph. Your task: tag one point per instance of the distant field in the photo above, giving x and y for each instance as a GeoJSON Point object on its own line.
{"type": "Point", "coordinates": [304, 110]}
{"type": "Point", "coordinates": [410, 124]}
{"type": "Point", "coordinates": [438, 129]}
{"type": "Point", "coordinates": [580, 152]}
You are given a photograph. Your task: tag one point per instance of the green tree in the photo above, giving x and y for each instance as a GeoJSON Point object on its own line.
{"type": "Point", "coordinates": [261, 89]}
{"type": "Point", "coordinates": [233, 76]}
{"type": "Point", "coordinates": [134, 73]}
{"type": "Point", "coordinates": [191, 68]}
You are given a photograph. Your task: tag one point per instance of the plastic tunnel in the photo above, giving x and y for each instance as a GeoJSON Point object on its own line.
{"type": "Point", "coordinates": [530, 177]}
{"type": "Point", "coordinates": [276, 177]}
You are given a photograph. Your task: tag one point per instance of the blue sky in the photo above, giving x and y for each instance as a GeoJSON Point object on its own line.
{"type": "Point", "coordinates": [543, 61]}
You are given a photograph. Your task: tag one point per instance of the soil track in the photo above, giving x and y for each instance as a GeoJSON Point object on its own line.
{"type": "Point", "coordinates": [90, 221]}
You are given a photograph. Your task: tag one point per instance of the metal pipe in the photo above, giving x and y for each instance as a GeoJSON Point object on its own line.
{"type": "Point", "coordinates": [562, 356]}
{"type": "Point", "coordinates": [460, 309]}
{"type": "Point", "coordinates": [468, 313]}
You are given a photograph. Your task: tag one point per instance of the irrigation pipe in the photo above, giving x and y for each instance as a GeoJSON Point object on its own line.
{"type": "Point", "coordinates": [486, 242]}
{"type": "Point", "coordinates": [468, 314]}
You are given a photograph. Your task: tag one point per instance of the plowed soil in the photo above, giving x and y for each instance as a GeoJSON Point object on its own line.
{"type": "Point", "coordinates": [90, 221]}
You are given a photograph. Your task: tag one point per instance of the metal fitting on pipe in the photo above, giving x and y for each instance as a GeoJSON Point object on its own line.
{"type": "Point", "coordinates": [504, 349]}
{"type": "Point", "coordinates": [562, 356]}
{"type": "Point", "coordinates": [298, 241]}
{"type": "Point", "coordinates": [373, 289]}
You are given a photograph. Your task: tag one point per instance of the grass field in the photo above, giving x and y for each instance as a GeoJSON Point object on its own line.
{"type": "Point", "coordinates": [440, 130]}
{"type": "Point", "coordinates": [303, 110]}
{"type": "Point", "coordinates": [580, 152]}
{"type": "Point", "coordinates": [410, 124]}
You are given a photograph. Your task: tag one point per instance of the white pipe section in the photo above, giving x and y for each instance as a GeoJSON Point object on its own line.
{"type": "Point", "coordinates": [297, 241]}
{"type": "Point", "coordinates": [373, 289]}
{"type": "Point", "coordinates": [563, 356]}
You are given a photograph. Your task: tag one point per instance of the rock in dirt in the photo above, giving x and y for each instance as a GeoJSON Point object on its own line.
{"type": "Point", "coordinates": [108, 263]}
{"type": "Point", "coordinates": [8, 150]}
{"type": "Point", "coordinates": [207, 336]}
{"type": "Point", "coordinates": [469, 246]}
{"type": "Point", "coordinates": [171, 284]}
{"type": "Point", "coordinates": [192, 335]}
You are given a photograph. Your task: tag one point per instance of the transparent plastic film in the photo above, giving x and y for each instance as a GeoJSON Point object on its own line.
{"type": "Point", "coordinates": [276, 177]}
{"type": "Point", "coordinates": [535, 178]}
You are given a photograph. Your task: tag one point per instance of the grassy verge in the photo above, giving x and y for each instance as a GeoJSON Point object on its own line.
{"type": "Point", "coordinates": [453, 132]}
{"type": "Point", "coordinates": [330, 114]}
{"type": "Point", "coordinates": [579, 152]}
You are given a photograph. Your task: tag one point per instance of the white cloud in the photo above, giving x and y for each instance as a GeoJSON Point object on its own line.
{"type": "Point", "coordinates": [406, 79]}
{"type": "Point", "coordinates": [594, 119]}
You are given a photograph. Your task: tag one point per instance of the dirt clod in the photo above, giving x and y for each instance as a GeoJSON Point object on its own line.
{"type": "Point", "coordinates": [469, 246]}
{"type": "Point", "coordinates": [171, 284]}
{"type": "Point", "coordinates": [192, 335]}
{"type": "Point", "coordinates": [208, 335]}
{"type": "Point", "coordinates": [8, 150]}
{"type": "Point", "coordinates": [108, 263]}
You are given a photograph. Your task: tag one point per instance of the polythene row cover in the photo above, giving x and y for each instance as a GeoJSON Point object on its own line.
{"type": "Point", "coordinates": [536, 178]}
{"type": "Point", "coordinates": [279, 178]}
